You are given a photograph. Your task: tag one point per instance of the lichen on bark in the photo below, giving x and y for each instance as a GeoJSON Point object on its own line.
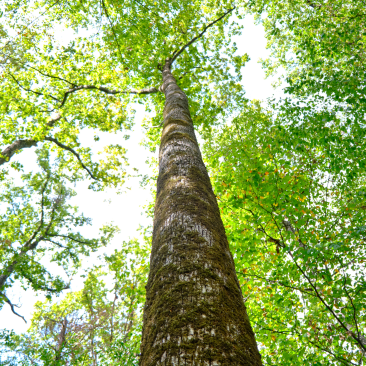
{"type": "Point", "coordinates": [194, 312]}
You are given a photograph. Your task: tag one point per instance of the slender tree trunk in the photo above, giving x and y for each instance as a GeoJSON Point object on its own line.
{"type": "Point", "coordinates": [61, 340]}
{"type": "Point", "coordinates": [194, 312]}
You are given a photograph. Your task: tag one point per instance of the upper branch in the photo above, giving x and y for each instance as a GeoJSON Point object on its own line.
{"type": "Point", "coordinates": [106, 90]}
{"type": "Point", "coordinates": [58, 143]}
{"type": "Point", "coordinates": [9, 151]}
{"type": "Point", "coordinates": [12, 306]}
{"type": "Point", "coordinates": [177, 53]}
{"type": "Point", "coordinates": [49, 75]}
{"type": "Point", "coordinates": [30, 90]}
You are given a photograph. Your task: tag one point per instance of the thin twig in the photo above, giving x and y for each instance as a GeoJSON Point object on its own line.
{"type": "Point", "coordinates": [68, 237]}
{"type": "Point", "coordinates": [178, 53]}
{"type": "Point", "coordinates": [30, 90]}
{"type": "Point", "coordinates": [12, 307]}
{"type": "Point", "coordinates": [306, 291]}
{"type": "Point", "coordinates": [114, 33]}
{"type": "Point", "coordinates": [60, 144]}
{"type": "Point", "coordinates": [48, 75]}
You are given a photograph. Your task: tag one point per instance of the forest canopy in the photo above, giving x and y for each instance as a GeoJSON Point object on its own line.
{"type": "Point", "coordinates": [288, 174]}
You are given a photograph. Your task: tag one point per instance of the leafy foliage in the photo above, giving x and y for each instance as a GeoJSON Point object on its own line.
{"type": "Point", "coordinates": [98, 325]}
{"type": "Point", "coordinates": [109, 56]}
{"type": "Point", "coordinates": [320, 44]}
{"type": "Point", "coordinates": [290, 178]}
{"type": "Point", "coordinates": [292, 197]}
{"type": "Point", "coordinates": [39, 227]}
{"type": "Point", "coordinates": [56, 87]}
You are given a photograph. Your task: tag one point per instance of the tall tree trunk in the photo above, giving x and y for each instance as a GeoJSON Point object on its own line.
{"type": "Point", "coordinates": [194, 312]}
{"type": "Point", "coordinates": [61, 340]}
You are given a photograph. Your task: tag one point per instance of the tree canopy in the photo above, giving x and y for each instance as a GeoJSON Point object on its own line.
{"type": "Point", "coordinates": [57, 85]}
{"type": "Point", "coordinates": [294, 208]}
{"type": "Point", "coordinates": [98, 325]}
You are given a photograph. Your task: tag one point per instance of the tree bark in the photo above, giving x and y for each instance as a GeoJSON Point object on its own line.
{"type": "Point", "coordinates": [194, 312]}
{"type": "Point", "coordinates": [14, 147]}
{"type": "Point", "coordinates": [61, 340]}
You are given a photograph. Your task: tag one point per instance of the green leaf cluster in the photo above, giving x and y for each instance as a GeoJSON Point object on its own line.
{"type": "Point", "coordinates": [98, 325]}
{"type": "Point", "coordinates": [40, 231]}
{"type": "Point", "coordinates": [292, 198]}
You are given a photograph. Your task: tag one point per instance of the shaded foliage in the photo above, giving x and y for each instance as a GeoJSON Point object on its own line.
{"type": "Point", "coordinates": [98, 325]}
{"type": "Point", "coordinates": [38, 227]}
{"type": "Point", "coordinates": [293, 199]}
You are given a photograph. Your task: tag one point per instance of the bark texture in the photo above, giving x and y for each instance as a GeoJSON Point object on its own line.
{"type": "Point", "coordinates": [8, 152]}
{"type": "Point", "coordinates": [194, 312]}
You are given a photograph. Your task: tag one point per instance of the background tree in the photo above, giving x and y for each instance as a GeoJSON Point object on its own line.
{"type": "Point", "coordinates": [292, 197]}
{"type": "Point", "coordinates": [320, 45]}
{"type": "Point", "coordinates": [98, 325]}
{"type": "Point", "coordinates": [319, 128]}
{"type": "Point", "coordinates": [39, 227]}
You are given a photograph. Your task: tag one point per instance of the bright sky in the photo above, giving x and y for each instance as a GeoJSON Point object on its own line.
{"type": "Point", "coordinates": [125, 210]}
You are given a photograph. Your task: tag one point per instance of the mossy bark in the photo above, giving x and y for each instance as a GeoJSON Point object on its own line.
{"type": "Point", "coordinates": [194, 312]}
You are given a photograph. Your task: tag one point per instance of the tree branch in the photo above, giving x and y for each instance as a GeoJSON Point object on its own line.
{"type": "Point", "coordinates": [12, 306]}
{"type": "Point", "coordinates": [288, 226]}
{"type": "Point", "coordinates": [112, 28]}
{"type": "Point", "coordinates": [327, 306]}
{"type": "Point", "coordinates": [29, 244]}
{"type": "Point", "coordinates": [9, 151]}
{"type": "Point", "coordinates": [305, 291]}
{"type": "Point", "coordinates": [45, 288]}
{"type": "Point", "coordinates": [45, 74]}
{"type": "Point", "coordinates": [73, 152]}
{"type": "Point", "coordinates": [51, 122]}
{"type": "Point", "coordinates": [105, 90]}
{"type": "Point", "coordinates": [55, 243]}
{"type": "Point", "coordinates": [61, 339]}
{"type": "Point", "coordinates": [30, 90]}
{"type": "Point", "coordinates": [68, 237]}
{"type": "Point", "coordinates": [50, 76]}
{"type": "Point", "coordinates": [178, 53]}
